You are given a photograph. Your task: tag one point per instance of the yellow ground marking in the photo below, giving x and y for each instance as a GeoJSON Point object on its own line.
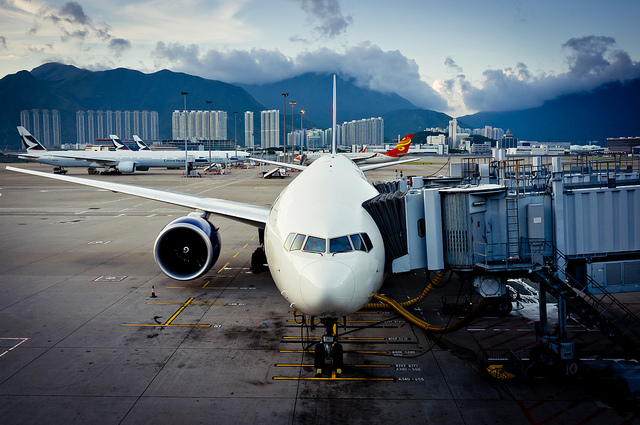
{"type": "Point", "coordinates": [172, 318]}
{"type": "Point", "coordinates": [372, 338]}
{"type": "Point", "coordinates": [237, 253]}
{"type": "Point", "coordinates": [333, 378]}
{"type": "Point", "coordinates": [352, 365]}
{"type": "Point", "coordinates": [223, 267]}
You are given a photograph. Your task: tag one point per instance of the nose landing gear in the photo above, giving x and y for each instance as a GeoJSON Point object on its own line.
{"type": "Point", "coordinates": [328, 352]}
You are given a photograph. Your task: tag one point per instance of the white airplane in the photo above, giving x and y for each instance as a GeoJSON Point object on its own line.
{"type": "Point", "coordinates": [201, 157]}
{"type": "Point", "coordinates": [364, 157]}
{"type": "Point", "coordinates": [123, 161]}
{"type": "Point", "coordinates": [324, 251]}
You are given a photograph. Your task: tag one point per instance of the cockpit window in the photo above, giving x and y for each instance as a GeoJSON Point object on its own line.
{"type": "Point", "coordinates": [367, 241]}
{"type": "Point", "coordinates": [340, 244]}
{"type": "Point", "coordinates": [297, 242]}
{"type": "Point", "coordinates": [315, 244]}
{"type": "Point", "coordinates": [287, 243]}
{"type": "Point", "coordinates": [358, 243]}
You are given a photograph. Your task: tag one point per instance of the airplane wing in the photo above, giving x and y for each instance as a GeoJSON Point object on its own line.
{"type": "Point", "coordinates": [245, 213]}
{"type": "Point", "coordinates": [386, 164]}
{"type": "Point", "coordinates": [280, 164]}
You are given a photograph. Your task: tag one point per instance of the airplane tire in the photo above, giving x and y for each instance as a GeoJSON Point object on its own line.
{"type": "Point", "coordinates": [258, 260]}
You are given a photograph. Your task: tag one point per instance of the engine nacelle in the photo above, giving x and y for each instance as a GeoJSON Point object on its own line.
{"type": "Point", "coordinates": [187, 248]}
{"type": "Point", "coordinates": [127, 167]}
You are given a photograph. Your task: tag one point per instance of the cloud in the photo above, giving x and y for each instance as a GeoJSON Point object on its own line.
{"type": "Point", "coordinates": [332, 22]}
{"type": "Point", "coordinates": [118, 46]}
{"type": "Point", "coordinates": [72, 22]}
{"type": "Point", "coordinates": [591, 60]}
{"type": "Point", "coordinates": [3, 42]}
{"type": "Point", "coordinates": [452, 65]}
{"type": "Point", "coordinates": [368, 65]}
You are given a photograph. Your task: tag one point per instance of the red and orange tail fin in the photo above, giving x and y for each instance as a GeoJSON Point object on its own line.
{"type": "Point", "coordinates": [401, 148]}
{"type": "Point", "coordinates": [364, 149]}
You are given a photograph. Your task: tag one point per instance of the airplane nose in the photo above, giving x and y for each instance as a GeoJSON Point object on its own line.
{"type": "Point", "coordinates": [327, 287]}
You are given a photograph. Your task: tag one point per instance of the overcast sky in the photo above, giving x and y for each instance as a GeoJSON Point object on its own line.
{"type": "Point", "coordinates": [454, 56]}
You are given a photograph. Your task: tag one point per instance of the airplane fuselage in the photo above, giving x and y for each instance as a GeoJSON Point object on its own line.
{"type": "Point", "coordinates": [324, 251]}
{"type": "Point", "coordinates": [142, 159]}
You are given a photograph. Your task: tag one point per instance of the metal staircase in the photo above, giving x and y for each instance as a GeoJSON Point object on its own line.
{"type": "Point", "coordinates": [613, 318]}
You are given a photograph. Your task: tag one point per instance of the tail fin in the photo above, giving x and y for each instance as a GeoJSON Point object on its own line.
{"type": "Point", "coordinates": [28, 141]}
{"type": "Point", "coordinates": [401, 148]}
{"type": "Point", "coordinates": [364, 149]}
{"type": "Point", "coordinates": [141, 144]}
{"type": "Point", "coordinates": [118, 143]}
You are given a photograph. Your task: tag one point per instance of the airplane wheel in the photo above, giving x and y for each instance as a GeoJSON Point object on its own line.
{"type": "Point", "coordinates": [258, 260]}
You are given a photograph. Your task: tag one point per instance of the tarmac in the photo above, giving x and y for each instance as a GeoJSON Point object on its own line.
{"type": "Point", "coordinates": [91, 331]}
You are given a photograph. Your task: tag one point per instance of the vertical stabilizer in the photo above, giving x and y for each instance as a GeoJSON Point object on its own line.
{"type": "Point", "coordinates": [28, 141]}
{"type": "Point", "coordinates": [334, 127]}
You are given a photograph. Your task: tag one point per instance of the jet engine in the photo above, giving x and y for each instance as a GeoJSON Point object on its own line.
{"type": "Point", "coordinates": [127, 167]}
{"type": "Point", "coordinates": [187, 247]}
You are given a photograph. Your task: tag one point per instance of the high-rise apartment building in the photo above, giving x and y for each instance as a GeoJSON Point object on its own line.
{"type": "Point", "coordinates": [249, 139]}
{"type": "Point", "coordinates": [43, 124]}
{"type": "Point", "coordinates": [363, 132]}
{"type": "Point", "coordinates": [91, 125]}
{"type": "Point", "coordinates": [270, 128]}
{"type": "Point", "coordinates": [199, 125]}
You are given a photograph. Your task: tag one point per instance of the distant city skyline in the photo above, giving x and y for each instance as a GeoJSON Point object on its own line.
{"type": "Point", "coordinates": [456, 57]}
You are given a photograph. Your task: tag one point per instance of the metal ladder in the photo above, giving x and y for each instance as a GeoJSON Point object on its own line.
{"type": "Point", "coordinates": [513, 178]}
{"type": "Point", "coordinates": [613, 318]}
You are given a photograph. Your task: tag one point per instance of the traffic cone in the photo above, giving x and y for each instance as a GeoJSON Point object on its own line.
{"type": "Point", "coordinates": [153, 292]}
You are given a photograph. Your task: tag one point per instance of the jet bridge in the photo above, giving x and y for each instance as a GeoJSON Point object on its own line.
{"type": "Point", "coordinates": [569, 225]}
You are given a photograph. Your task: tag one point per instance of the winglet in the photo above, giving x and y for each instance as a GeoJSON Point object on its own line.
{"type": "Point", "coordinates": [28, 141]}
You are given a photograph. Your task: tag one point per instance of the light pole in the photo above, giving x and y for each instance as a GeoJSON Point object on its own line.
{"type": "Point", "coordinates": [209, 130]}
{"type": "Point", "coordinates": [293, 102]}
{"type": "Point", "coordinates": [235, 133]}
{"type": "Point", "coordinates": [284, 125]}
{"type": "Point", "coordinates": [301, 132]}
{"type": "Point", "coordinates": [186, 125]}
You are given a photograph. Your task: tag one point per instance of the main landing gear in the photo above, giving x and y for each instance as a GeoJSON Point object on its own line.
{"type": "Point", "coordinates": [328, 352]}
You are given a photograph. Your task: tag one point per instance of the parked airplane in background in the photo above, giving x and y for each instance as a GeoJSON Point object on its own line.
{"type": "Point", "coordinates": [122, 161]}
{"type": "Point", "coordinates": [324, 251]}
{"type": "Point", "coordinates": [364, 157]}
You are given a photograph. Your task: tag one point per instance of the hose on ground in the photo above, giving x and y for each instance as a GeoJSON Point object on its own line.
{"type": "Point", "coordinates": [473, 311]}
{"type": "Point", "coordinates": [430, 287]}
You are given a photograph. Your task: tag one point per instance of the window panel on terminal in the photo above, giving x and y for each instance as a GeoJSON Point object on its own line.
{"type": "Point", "coordinates": [315, 244]}
{"type": "Point", "coordinates": [340, 244]}
{"type": "Point", "coordinates": [297, 242]}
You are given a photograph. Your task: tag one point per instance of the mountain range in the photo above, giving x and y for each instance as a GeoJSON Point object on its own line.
{"type": "Point", "coordinates": [608, 111]}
